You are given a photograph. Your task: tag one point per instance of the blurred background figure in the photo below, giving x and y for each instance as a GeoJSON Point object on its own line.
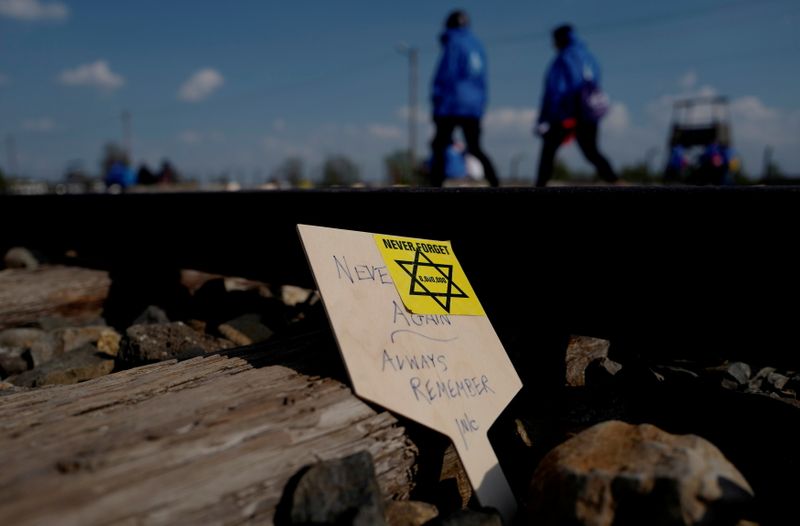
{"type": "Point", "coordinates": [459, 96]}
{"type": "Point", "coordinates": [167, 174]}
{"type": "Point", "coordinates": [572, 105]}
{"type": "Point", "coordinates": [145, 175]}
{"type": "Point", "coordinates": [677, 165]}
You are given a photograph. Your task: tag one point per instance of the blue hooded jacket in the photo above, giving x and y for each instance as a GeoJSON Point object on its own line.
{"type": "Point", "coordinates": [571, 67]}
{"type": "Point", "coordinates": [459, 87]}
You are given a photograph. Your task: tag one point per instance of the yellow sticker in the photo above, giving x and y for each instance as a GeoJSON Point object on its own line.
{"type": "Point", "coordinates": [427, 276]}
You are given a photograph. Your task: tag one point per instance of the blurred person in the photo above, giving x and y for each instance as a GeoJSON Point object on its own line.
{"type": "Point", "coordinates": [717, 162]}
{"type": "Point", "coordinates": [119, 176]}
{"type": "Point", "coordinates": [459, 95]}
{"type": "Point", "coordinates": [145, 175]}
{"type": "Point", "coordinates": [572, 106]}
{"type": "Point", "coordinates": [677, 165]}
{"type": "Point", "coordinates": [167, 174]}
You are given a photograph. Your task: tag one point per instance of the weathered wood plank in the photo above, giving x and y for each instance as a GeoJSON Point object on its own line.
{"type": "Point", "coordinates": [28, 295]}
{"type": "Point", "coordinates": [208, 441]}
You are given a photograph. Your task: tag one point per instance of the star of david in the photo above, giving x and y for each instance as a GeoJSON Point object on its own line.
{"type": "Point", "coordinates": [445, 270]}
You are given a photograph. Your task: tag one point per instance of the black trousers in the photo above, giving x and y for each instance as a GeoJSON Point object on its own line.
{"type": "Point", "coordinates": [471, 126]}
{"type": "Point", "coordinates": [586, 135]}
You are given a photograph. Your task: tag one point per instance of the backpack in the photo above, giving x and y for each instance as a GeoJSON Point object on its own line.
{"type": "Point", "coordinates": [593, 103]}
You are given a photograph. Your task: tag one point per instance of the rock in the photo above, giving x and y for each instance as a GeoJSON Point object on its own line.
{"type": "Point", "coordinates": [14, 360]}
{"type": "Point", "coordinates": [165, 341]}
{"type": "Point", "coordinates": [151, 315]}
{"type": "Point", "coordinates": [469, 517]}
{"type": "Point", "coordinates": [22, 337]}
{"type": "Point", "coordinates": [40, 345]}
{"type": "Point", "coordinates": [343, 491]}
{"type": "Point", "coordinates": [292, 295]}
{"type": "Point", "coordinates": [738, 372]}
{"type": "Point", "coordinates": [71, 338]}
{"type": "Point", "coordinates": [51, 323]}
{"type": "Point", "coordinates": [108, 342]}
{"type": "Point", "coordinates": [621, 474]}
{"type": "Point", "coordinates": [19, 257]}
{"type": "Point", "coordinates": [69, 368]}
{"type": "Point", "coordinates": [777, 381]}
{"type": "Point", "coordinates": [246, 330]}
{"type": "Point", "coordinates": [7, 388]}
{"type": "Point", "coordinates": [409, 512]}
{"type": "Point", "coordinates": [581, 351]}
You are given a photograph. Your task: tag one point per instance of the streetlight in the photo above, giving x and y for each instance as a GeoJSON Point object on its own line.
{"type": "Point", "coordinates": [412, 53]}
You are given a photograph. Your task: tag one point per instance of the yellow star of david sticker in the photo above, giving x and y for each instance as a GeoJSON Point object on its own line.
{"type": "Point", "coordinates": [428, 276]}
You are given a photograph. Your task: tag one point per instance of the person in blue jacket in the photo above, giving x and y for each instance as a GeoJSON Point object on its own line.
{"type": "Point", "coordinates": [572, 104]}
{"type": "Point", "coordinates": [459, 96]}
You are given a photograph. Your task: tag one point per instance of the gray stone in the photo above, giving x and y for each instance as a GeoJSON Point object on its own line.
{"type": "Point", "coordinates": [22, 337]}
{"type": "Point", "coordinates": [738, 372]}
{"type": "Point", "coordinates": [151, 315]}
{"type": "Point", "coordinates": [69, 368]}
{"type": "Point", "coordinates": [51, 323]}
{"type": "Point", "coordinates": [246, 330]}
{"type": "Point", "coordinates": [19, 257]}
{"type": "Point", "coordinates": [620, 474]}
{"type": "Point", "coordinates": [165, 341]}
{"type": "Point", "coordinates": [41, 345]}
{"type": "Point", "coordinates": [343, 491]}
{"type": "Point", "coordinates": [14, 360]}
{"type": "Point", "coordinates": [71, 338]}
{"type": "Point", "coordinates": [777, 381]}
{"type": "Point", "coordinates": [409, 512]}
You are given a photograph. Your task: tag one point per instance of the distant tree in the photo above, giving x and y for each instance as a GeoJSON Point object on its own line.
{"type": "Point", "coordinates": [292, 171]}
{"type": "Point", "coordinates": [639, 173]}
{"type": "Point", "coordinates": [399, 170]}
{"type": "Point", "coordinates": [773, 173]}
{"type": "Point", "coordinates": [561, 171]}
{"type": "Point", "coordinates": [339, 170]}
{"type": "Point", "coordinates": [3, 183]}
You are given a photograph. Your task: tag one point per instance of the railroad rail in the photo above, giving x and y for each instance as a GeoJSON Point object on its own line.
{"type": "Point", "coordinates": [693, 267]}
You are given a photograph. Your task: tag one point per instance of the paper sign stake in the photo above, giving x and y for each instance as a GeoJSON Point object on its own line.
{"type": "Point", "coordinates": [486, 476]}
{"type": "Point", "coordinates": [439, 363]}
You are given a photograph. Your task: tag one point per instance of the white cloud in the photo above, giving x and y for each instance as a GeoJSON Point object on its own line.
{"type": "Point", "coordinates": [688, 80]}
{"type": "Point", "coordinates": [201, 85]}
{"type": "Point", "coordinates": [41, 125]}
{"type": "Point", "coordinates": [190, 137]}
{"type": "Point", "coordinates": [197, 137]}
{"type": "Point", "coordinates": [383, 131]}
{"type": "Point", "coordinates": [405, 111]}
{"type": "Point", "coordinates": [618, 119]}
{"type": "Point", "coordinates": [33, 10]}
{"type": "Point", "coordinates": [519, 120]}
{"type": "Point", "coordinates": [96, 75]}
{"type": "Point", "coordinates": [279, 125]}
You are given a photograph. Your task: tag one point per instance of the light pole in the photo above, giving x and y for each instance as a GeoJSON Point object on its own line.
{"type": "Point", "coordinates": [412, 53]}
{"type": "Point", "coordinates": [126, 135]}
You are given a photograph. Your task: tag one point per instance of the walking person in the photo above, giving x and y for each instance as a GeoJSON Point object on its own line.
{"type": "Point", "coordinates": [459, 96]}
{"type": "Point", "coordinates": [572, 105]}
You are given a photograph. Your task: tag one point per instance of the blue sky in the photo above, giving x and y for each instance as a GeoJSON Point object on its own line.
{"type": "Point", "coordinates": [240, 86]}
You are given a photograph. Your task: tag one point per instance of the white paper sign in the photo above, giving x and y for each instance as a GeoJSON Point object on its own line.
{"type": "Point", "coordinates": [448, 372]}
